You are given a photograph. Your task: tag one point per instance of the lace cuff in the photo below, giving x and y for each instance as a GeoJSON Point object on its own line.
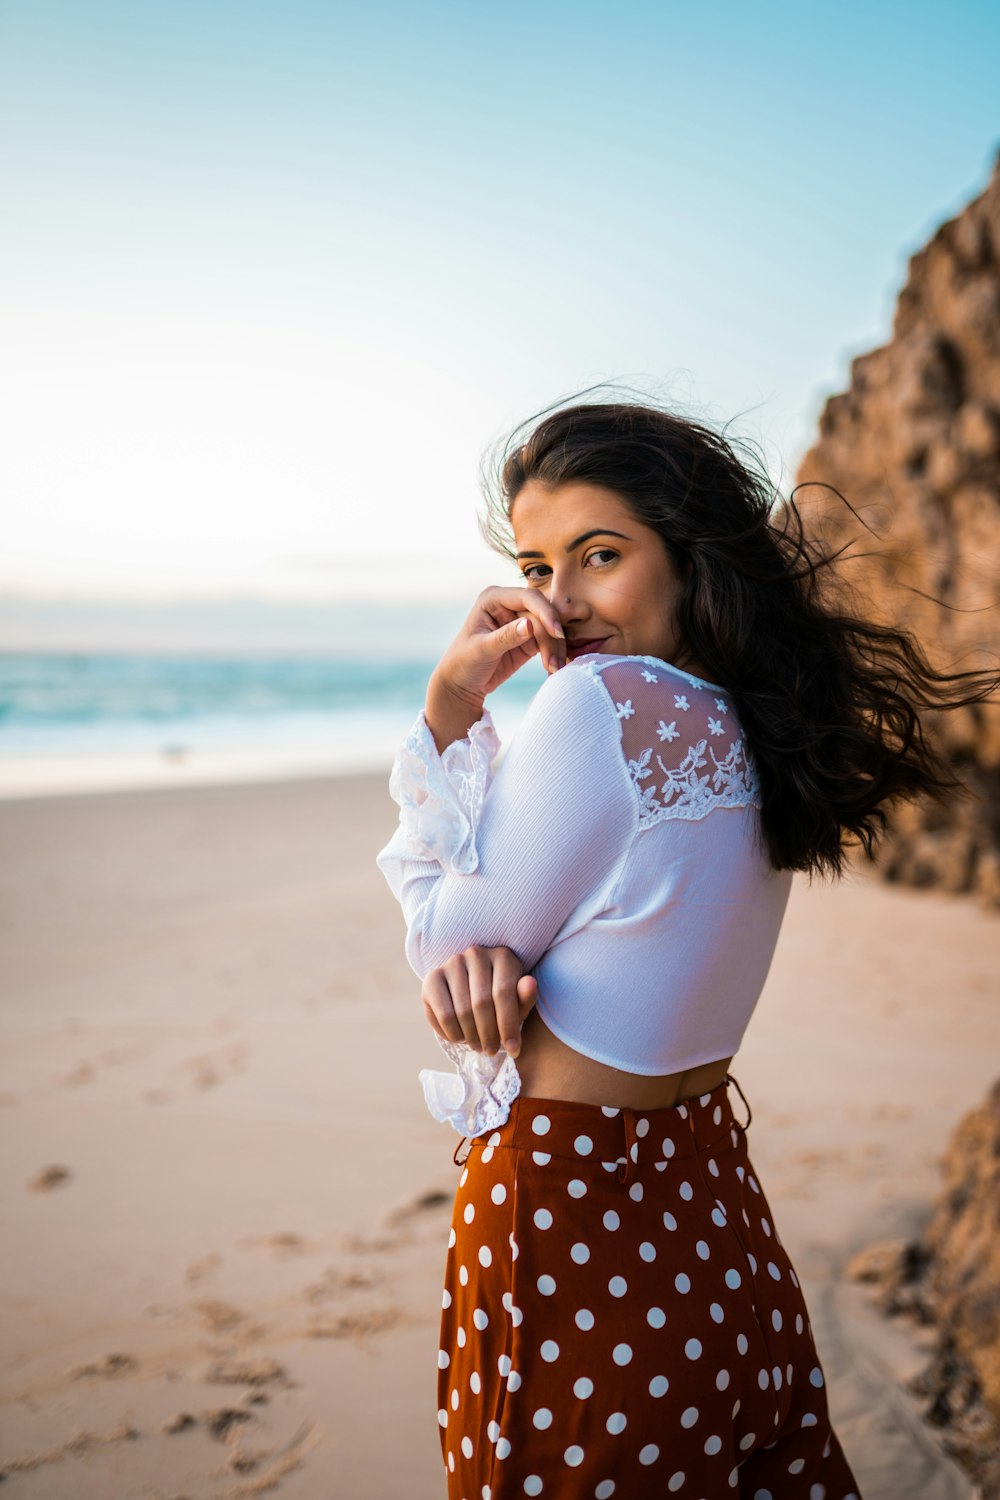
{"type": "Point", "coordinates": [479, 1095]}
{"type": "Point", "coordinates": [441, 796]}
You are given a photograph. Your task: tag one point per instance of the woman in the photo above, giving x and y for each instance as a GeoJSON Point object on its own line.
{"type": "Point", "coordinates": [593, 920]}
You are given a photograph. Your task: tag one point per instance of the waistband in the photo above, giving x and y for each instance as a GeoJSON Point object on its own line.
{"type": "Point", "coordinates": [617, 1137]}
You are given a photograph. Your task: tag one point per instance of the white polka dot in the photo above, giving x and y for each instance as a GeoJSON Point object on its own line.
{"type": "Point", "coordinates": [703, 1250]}
{"type": "Point", "coordinates": [470, 1213]}
{"type": "Point", "coordinates": [514, 1247]}
{"type": "Point", "coordinates": [647, 1251]}
{"type": "Point", "coordinates": [717, 1313]}
{"type": "Point", "coordinates": [659, 1385]}
{"type": "Point", "coordinates": [543, 1219]}
{"type": "Point", "coordinates": [460, 1336]}
{"type": "Point", "coordinates": [583, 1145]}
{"type": "Point", "coordinates": [763, 1379]}
{"type": "Point", "coordinates": [493, 1431]}
{"type": "Point", "coordinates": [583, 1388]}
{"type": "Point", "coordinates": [622, 1354]}
{"type": "Point", "coordinates": [693, 1348]}
{"type": "Point", "coordinates": [765, 1226]}
{"type": "Point", "coordinates": [546, 1285]}
{"type": "Point", "coordinates": [712, 1166]}
{"type": "Point", "coordinates": [503, 1365]}
{"type": "Point", "coordinates": [817, 1492]}
{"type": "Point", "coordinates": [798, 1323]}
{"type": "Point", "coordinates": [533, 1485]}
{"type": "Point", "coordinates": [682, 1281]}
{"type": "Point", "coordinates": [689, 1416]}
{"type": "Point", "coordinates": [580, 1253]}
{"type": "Point", "coordinates": [585, 1319]}
{"type": "Point", "coordinates": [717, 1115]}
{"type": "Point", "coordinates": [742, 1343]}
{"type": "Point", "coordinates": [485, 1255]}
{"type": "Point", "coordinates": [773, 1270]}
{"type": "Point", "coordinates": [722, 1380]}
{"type": "Point", "coordinates": [611, 1219]}
{"type": "Point", "coordinates": [669, 1221]}
{"type": "Point", "coordinates": [452, 1237]}
{"type": "Point", "coordinates": [712, 1445]}
{"type": "Point", "coordinates": [656, 1317]}
{"type": "Point", "coordinates": [605, 1490]}
{"type": "Point", "coordinates": [513, 1381]}
{"type": "Point", "coordinates": [762, 1495]}
{"type": "Point", "coordinates": [454, 1400]}
{"type": "Point", "coordinates": [676, 1480]}
{"type": "Point", "coordinates": [641, 1128]}
{"type": "Point", "coordinates": [649, 1454]}
{"type": "Point", "coordinates": [463, 1275]}
{"type": "Point", "coordinates": [550, 1350]}
{"type": "Point", "coordinates": [576, 1188]}
{"type": "Point", "coordinates": [718, 1217]}
{"type": "Point", "coordinates": [753, 1182]}
{"type": "Point", "coordinates": [443, 1417]}
{"type": "Point", "coordinates": [610, 1110]}
{"type": "Point", "coordinates": [668, 1146]}
{"type": "Point", "coordinates": [635, 1192]}
{"type": "Point", "coordinates": [618, 1286]}
{"type": "Point", "coordinates": [616, 1422]}
{"type": "Point", "coordinates": [776, 1319]}
{"type": "Point", "coordinates": [541, 1158]}
{"type": "Point", "coordinates": [503, 1448]}
{"type": "Point", "coordinates": [747, 1440]}
{"type": "Point", "coordinates": [776, 1377]}
{"type": "Point", "coordinates": [541, 1124]}
{"type": "Point", "coordinates": [446, 1298]}
{"type": "Point", "coordinates": [444, 1359]}
{"type": "Point", "coordinates": [516, 1317]}
{"type": "Point", "coordinates": [481, 1319]}
{"type": "Point", "coordinates": [467, 1447]}
{"type": "Point", "coordinates": [574, 1456]}
{"type": "Point", "coordinates": [796, 1466]}
{"type": "Point", "coordinates": [494, 1139]}
{"type": "Point", "coordinates": [499, 1193]}
{"type": "Point", "coordinates": [686, 1190]}
{"type": "Point", "coordinates": [451, 1461]}
{"type": "Point", "coordinates": [542, 1418]}
{"type": "Point", "coordinates": [475, 1383]}
{"type": "Point", "coordinates": [816, 1376]}
{"type": "Point", "coordinates": [752, 1259]}
{"type": "Point", "coordinates": [462, 1179]}
{"type": "Point", "coordinates": [809, 1419]}
{"type": "Point", "coordinates": [733, 1277]}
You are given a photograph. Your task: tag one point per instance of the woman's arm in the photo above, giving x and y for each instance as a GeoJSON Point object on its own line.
{"type": "Point", "coordinates": [506, 859]}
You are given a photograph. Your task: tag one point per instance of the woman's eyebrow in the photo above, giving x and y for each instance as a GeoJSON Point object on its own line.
{"type": "Point", "coordinates": [585, 537]}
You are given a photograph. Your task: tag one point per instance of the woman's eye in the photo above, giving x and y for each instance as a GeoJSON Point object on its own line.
{"type": "Point", "coordinates": [526, 573]}
{"type": "Point", "coordinates": [603, 552]}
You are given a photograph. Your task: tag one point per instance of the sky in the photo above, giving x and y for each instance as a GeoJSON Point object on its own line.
{"type": "Point", "coordinates": [279, 275]}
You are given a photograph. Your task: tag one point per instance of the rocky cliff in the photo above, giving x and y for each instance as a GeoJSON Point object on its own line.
{"type": "Point", "coordinates": [949, 1277]}
{"type": "Point", "coordinates": [914, 446]}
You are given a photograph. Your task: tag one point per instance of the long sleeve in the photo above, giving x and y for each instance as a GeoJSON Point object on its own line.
{"type": "Point", "coordinates": [506, 858]}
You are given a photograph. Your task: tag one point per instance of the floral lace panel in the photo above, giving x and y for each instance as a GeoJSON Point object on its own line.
{"type": "Point", "coordinates": [681, 738]}
{"type": "Point", "coordinates": [441, 796]}
{"type": "Point", "coordinates": [478, 1095]}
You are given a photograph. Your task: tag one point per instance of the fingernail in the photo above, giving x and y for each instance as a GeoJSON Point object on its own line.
{"type": "Point", "coordinates": [558, 630]}
{"type": "Point", "coordinates": [522, 627]}
{"type": "Point", "coordinates": [513, 1048]}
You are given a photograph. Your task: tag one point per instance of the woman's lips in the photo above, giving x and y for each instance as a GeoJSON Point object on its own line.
{"type": "Point", "coordinates": [576, 648]}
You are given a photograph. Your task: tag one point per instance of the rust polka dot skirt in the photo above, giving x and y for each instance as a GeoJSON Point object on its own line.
{"type": "Point", "coordinates": [620, 1318]}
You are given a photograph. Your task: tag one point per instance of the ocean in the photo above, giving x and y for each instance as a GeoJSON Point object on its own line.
{"type": "Point", "coordinates": [72, 722]}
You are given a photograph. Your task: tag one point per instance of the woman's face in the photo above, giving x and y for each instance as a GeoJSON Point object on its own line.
{"type": "Point", "coordinates": [609, 576]}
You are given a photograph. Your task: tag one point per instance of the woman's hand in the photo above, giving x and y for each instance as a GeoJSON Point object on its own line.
{"type": "Point", "coordinates": [503, 630]}
{"type": "Point", "coordinates": [481, 997]}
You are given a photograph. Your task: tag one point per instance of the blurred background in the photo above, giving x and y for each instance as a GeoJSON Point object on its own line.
{"type": "Point", "coordinates": [279, 280]}
{"type": "Point", "coordinates": [278, 277]}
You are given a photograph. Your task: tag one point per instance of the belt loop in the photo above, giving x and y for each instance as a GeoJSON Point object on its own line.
{"type": "Point", "coordinates": [458, 1148]}
{"type": "Point", "coordinates": [730, 1079]}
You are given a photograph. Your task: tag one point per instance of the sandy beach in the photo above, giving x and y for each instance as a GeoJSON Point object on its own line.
{"type": "Point", "coordinates": [226, 1207]}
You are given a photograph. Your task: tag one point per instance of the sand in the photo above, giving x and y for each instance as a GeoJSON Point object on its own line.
{"type": "Point", "coordinates": [226, 1207]}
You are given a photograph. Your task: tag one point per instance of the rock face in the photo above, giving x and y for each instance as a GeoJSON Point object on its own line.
{"type": "Point", "coordinates": [950, 1277]}
{"type": "Point", "coordinates": [914, 446]}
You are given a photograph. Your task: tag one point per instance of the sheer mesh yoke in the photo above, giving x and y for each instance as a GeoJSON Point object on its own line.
{"type": "Point", "coordinates": [615, 848]}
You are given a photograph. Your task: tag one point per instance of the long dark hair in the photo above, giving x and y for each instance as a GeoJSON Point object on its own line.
{"type": "Point", "coordinates": [830, 702]}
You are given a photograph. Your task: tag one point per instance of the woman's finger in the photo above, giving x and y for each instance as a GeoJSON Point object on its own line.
{"type": "Point", "coordinates": [507, 970]}
{"type": "Point", "coordinates": [438, 1008]}
{"type": "Point", "coordinates": [458, 984]}
{"type": "Point", "coordinates": [535, 618]}
{"type": "Point", "coordinates": [479, 967]}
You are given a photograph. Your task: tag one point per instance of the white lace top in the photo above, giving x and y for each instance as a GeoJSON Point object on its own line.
{"type": "Point", "coordinates": [615, 848]}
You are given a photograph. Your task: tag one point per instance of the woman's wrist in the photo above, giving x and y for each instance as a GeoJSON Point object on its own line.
{"type": "Point", "coordinates": [450, 714]}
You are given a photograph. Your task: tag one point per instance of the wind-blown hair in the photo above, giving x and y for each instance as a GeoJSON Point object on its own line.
{"type": "Point", "coordinates": [830, 702]}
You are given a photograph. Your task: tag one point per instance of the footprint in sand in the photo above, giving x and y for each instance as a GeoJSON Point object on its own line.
{"type": "Point", "coordinates": [217, 1316]}
{"type": "Point", "coordinates": [200, 1270]}
{"type": "Point", "coordinates": [206, 1071]}
{"type": "Point", "coordinates": [108, 1367]}
{"type": "Point", "coordinates": [49, 1177]}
